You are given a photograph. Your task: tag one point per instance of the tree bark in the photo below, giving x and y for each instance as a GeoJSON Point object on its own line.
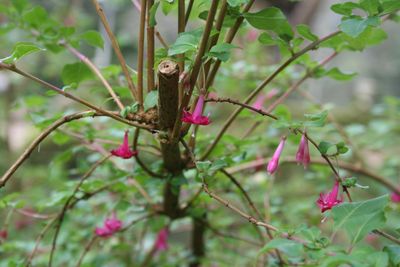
{"type": "Point", "coordinates": [168, 80]}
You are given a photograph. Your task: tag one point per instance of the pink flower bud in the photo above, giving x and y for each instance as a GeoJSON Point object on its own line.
{"type": "Point", "coordinates": [123, 151]}
{"type": "Point", "coordinates": [110, 226]}
{"type": "Point", "coordinates": [3, 234]}
{"type": "Point", "coordinates": [395, 197]}
{"type": "Point", "coordinates": [162, 240]}
{"type": "Point", "coordinates": [303, 153]}
{"type": "Point", "coordinates": [274, 162]}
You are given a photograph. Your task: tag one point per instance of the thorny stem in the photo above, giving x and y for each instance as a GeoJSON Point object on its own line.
{"type": "Point", "coordinates": [261, 86]}
{"type": "Point", "coordinates": [97, 72]}
{"type": "Point", "coordinates": [141, 52]}
{"type": "Point", "coordinates": [117, 50]}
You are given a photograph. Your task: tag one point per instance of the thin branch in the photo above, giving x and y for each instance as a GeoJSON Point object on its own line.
{"type": "Point", "coordinates": [110, 114]}
{"type": "Point", "coordinates": [261, 86]}
{"type": "Point", "coordinates": [141, 51]}
{"type": "Point", "coordinates": [87, 248]}
{"type": "Point", "coordinates": [161, 39]}
{"type": "Point", "coordinates": [236, 102]}
{"type": "Point", "coordinates": [67, 203]}
{"type": "Point", "coordinates": [97, 72]}
{"type": "Point", "coordinates": [188, 11]}
{"type": "Point", "coordinates": [150, 49]}
{"type": "Point", "coordinates": [116, 48]}
{"type": "Point", "coordinates": [196, 69]}
{"type": "Point", "coordinates": [387, 236]}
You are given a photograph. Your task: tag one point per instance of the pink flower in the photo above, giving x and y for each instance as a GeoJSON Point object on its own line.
{"type": "Point", "coordinates": [329, 200]}
{"type": "Point", "coordinates": [274, 162]}
{"type": "Point", "coordinates": [162, 240]}
{"type": "Point", "coordinates": [395, 197]}
{"type": "Point", "coordinates": [303, 154]}
{"type": "Point", "coordinates": [3, 234]}
{"type": "Point", "coordinates": [111, 225]}
{"type": "Point", "coordinates": [258, 104]}
{"type": "Point", "coordinates": [271, 93]}
{"type": "Point", "coordinates": [123, 151]}
{"type": "Point", "coordinates": [196, 117]}
{"type": "Point", "coordinates": [251, 35]}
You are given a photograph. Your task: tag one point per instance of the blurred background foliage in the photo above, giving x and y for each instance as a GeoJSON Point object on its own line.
{"type": "Point", "coordinates": [367, 108]}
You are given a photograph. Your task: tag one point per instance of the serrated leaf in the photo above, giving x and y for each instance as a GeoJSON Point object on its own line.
{"type": "Point", "coordinates": [151, 100]}
{"type": "Point", "coordinates": [186, 41]}
{"type": "Point", "coordinates": [316, 120]}
{"type": "Point", "coordinates": [272, 19]}
{"type": "Point", "coordinates": [359, 218]}
{"type": "Point", "coordinates": [75, 73]}
{"type": "Point", "coordinates": [289, 247]}
{"type": "Point", "coordinates": [337, 74]}
{"type": "Point", "coordinates": [344, 8]}
{"type": "Point", "coordinates": [153, 11]}
{"type": "Point", "coordinates": [356, 26]}
{"type": "Point", "coordinates": [221, 51]}
{"type": "Point", "coordinates": [305, 31]}
{"type": "Point", "coordinates": [20, 50]}
{"type": "Point", "coordinates": [93, 38]}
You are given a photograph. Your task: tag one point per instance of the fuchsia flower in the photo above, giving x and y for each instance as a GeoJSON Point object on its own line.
{"type": "Point", "coordinates": [395, 197]}
{"type": "Point", "coordinates": [123, 151]}
{"type": "Point", "coordinates": [3, 234]}
{"type": "Point", "coordinates": [196, 117]}
{"type": "Point", "coordinates": [274, 162]}
{"type": "Point", "coordinates": [303, 154]}
{"type": "Point", "coordinates": [251, 35]}
{"type": "Point", "coordinates": [258, 104]}
{"type": "Point", "coordinates": [111, 225]}
{"type": "Point", "coordinates": [329, 200]}
{"type": "Point", "coordinates": [162, 240]}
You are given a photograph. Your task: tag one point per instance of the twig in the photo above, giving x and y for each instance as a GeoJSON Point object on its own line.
{"type": "Point", "coordinates": [387, 236]}
{"type": "Point", "coordinates": [188, 11]}
{"type": "Point", "coordinates": [110, 114]}
{"type": "Point", "coordinates": [86, 250]}
{"type": "Point", "coordinates": [116, 48]}
{"type": "Point", "coordinates": [141, 52]}
{"type": "Point", "coordinates": [235, 102]}
{"type": "Point", "coordinates": [150, 49]}
{"type": "Point", "coordinates": [97, 72]}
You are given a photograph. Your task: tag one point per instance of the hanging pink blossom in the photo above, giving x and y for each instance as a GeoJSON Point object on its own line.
{"type": "Point", "coordinates": [329, 200]}
{"type": "Point", "coordinates": [196, 117]}
{"type": "Point", "coordinates": [395, 197]}
{"type": "Point", "coordinates": [274, 162]}
{"type": "Point", "coordinates": [303, 153]}
{"type": "Point", "coordinates": [110, 226]}
{"type": "Point", "coordinates": [258, 104]}
{"type": "Point", "coordinates": [123, 151]}
{"type": "Point", "coordinates": [3, 234]}
{"type": "Point", "coordinates": [251, 35]}
{"type": "Point", "coordinates": [162, 240]}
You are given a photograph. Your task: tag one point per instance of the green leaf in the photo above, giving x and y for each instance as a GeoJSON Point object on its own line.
{"type": "Point", "coordinates": [221, 51]}
{"type": "Point", "coordinates": [20, 50]}
{"type": "Point", "coordinates": [379, 258]}
{"type": "Point", "coordinates": [316, 120]}
{"type": "Point", "coordinates": [324, 146]}
{"type": "Point", "coordinates": [350, 182]}
{"type": "Point", "coordinates": [19, 5]}
{"type": "Point", "coordinates": [394, 254]}
{"type": "Point", "coordinates": [344, 8]}
{"type": "Point", "coordinates": [390, 6]}
{"type": "Point", "coordinates": [151, 100]}
{"type": "Point", "coordinates": [153, 11]}
{"type": "Point", "coordinates": [186, 41]}
{"type": "Point", "coordinates": [272, 19]}
{"type": "Point", "coordinates": [336, 74]}
{"type": "Point", "coordinates": [234, 3]}
{"type": "Point", "coordinates": [370, 6]}
{"type": "Point", "coordinates": [36, 17]}
{"type": "Point", "coordinates": [305, 31]}
{"type": "Point", "coordinates": [355, 26]}
{"type": "Point", "coordinates": [75, 73]}
{"type": "Point", "coordinates": [267, 39]}
{"type": "Point", "coordinates": [93, 38]}
{"type": "Point", "coordinates": [359, 218]}
{"type": "Point", "coordinates": [289, 247]}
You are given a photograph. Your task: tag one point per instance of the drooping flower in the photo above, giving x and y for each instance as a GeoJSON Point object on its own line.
{"type": "Point", "coordinates": [3, 234]}
{"type": "Point", "coordinates": [196, 117]}
{"type": "Point", "coordinates": [162, 240]}
{"type": "Point", "coordinates": [395, 197]}
{"type": "Point", "coordinates": [274, 162]}
{"type": "Point", "coordinates": [258, 104]}
{"type": "Point", "coordinates": [251, 35]}
{"type": "Point", "coordinates": [123, 151]}
{"type": "Point", "coordinates": [303, 153]}
{"type": "Point", "coordinates": [329, 200]}
{"type": "Point", "coordinates": [271, 93]}
{"type": "Point", "coordinates": [110, 226]}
